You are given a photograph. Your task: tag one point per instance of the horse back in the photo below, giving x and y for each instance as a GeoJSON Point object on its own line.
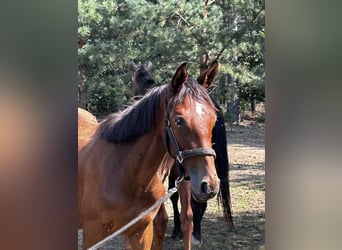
{"type": "Point", "coordinates": [87, 125]}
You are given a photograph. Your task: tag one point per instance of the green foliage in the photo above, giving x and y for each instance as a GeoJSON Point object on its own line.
{"type": "Point", "coordinates": [169, 33]}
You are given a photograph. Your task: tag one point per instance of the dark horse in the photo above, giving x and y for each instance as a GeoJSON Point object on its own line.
{"type": "Point", "coordinates": [119, 159]}
{"type": "Point", "coordinates": [142, 80]}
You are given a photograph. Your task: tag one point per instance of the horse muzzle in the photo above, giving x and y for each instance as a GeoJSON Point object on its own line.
{"type": "Point", "coordinates": [205, 190]}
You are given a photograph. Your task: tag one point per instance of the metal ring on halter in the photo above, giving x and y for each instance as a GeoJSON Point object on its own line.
{"type": "Point", "coordinates": [179, 180]}
{"type": "Point", "coordinates": [180, 157]}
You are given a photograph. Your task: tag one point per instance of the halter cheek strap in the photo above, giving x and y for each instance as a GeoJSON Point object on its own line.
{"type": "Point", "coordinates": [169, 138]}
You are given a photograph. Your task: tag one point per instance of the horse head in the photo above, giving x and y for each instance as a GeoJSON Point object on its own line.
{"type": "Point", "coordinates": [141, 79]}
{"type": "Point", "coordinates": [190, 117]}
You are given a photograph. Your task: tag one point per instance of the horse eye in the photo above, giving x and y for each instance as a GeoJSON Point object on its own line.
{"type": "Point", "coordinates": [178, 121]}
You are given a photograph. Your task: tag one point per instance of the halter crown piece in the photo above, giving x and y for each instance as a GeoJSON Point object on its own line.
{"type": "Point", "coordinates": [170, 138]}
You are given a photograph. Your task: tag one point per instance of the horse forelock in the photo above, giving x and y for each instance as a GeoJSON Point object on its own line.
{"type": "Point", "coordinates": [195, 91]}
{"type": "Point", "coordinates": [134, 121]}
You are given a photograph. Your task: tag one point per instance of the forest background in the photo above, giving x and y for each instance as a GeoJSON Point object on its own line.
{"type": "Point", "coordinates": [113, 33]}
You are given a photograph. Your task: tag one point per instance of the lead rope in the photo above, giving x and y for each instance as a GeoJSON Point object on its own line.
{"type": "Point", "coordinates": [170, 192]}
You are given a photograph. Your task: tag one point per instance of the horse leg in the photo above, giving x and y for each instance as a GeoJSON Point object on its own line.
{"type": "Point", "coordinates": [142, 240]}
{"type": "Point", "coordinates": [160, 225]}
{"type": "Point", "coordinates": [92, 233]}
{"type": "Point", "coordinates": [176, 232]}
{"type": "Point", "coordinates": [186, 215]}
{"type": "Point", "coordinates": [198, 209]}
{"type": "Point", "coordinates": [127, 245]}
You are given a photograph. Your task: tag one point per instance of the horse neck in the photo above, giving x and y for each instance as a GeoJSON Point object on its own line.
{"type": "Point", "coordinates": [150, 151]}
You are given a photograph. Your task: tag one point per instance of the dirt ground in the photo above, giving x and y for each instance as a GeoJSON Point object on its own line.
{"type": "Point", "coordinates": [246, 152]}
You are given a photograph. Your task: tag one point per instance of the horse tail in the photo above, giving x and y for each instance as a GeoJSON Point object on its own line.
{"type": "Point", "coordinates": [224, 198]}
{"type": "Point", "coordinates": [222, 167]}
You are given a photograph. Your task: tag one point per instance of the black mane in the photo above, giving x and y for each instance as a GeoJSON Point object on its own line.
{"type": "Point", "coordinates": [134, 121]}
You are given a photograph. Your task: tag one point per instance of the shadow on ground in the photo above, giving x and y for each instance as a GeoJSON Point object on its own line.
{"type": "Point", "coordinates": [250, 233]}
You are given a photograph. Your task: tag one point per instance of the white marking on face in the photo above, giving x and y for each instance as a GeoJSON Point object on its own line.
{"type": "Point", "coordinates": [199, 109]}
{"type": "Point", "coordinates": [201, 113]}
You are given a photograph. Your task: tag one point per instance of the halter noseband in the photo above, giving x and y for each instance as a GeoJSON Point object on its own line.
{"type": "Point", "coordinates": [170, 138]}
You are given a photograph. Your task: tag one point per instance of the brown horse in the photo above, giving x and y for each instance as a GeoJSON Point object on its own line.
{"type": "Point", "coordinates": [191, 211]}
{"type": "Point", "coordinates": [87, 124]}
{"type": "Point", "coordinates": [118, 166]}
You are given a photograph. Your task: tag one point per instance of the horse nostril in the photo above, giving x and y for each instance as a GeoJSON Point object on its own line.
{"type": "Point", "coordinates": [205, 188]}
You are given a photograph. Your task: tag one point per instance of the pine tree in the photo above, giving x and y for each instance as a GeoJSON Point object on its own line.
{"type": "Point", "coordinates": [169, 33]}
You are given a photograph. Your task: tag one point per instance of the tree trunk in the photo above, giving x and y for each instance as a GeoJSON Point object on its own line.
{"type": "Point", "coordinates": [252, 100]}
{"type": "Point", "coordinates": [203, 52]}
{"type": "Point", "coordinates": [233, 106]}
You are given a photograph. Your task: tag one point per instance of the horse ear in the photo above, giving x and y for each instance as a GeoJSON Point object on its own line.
{"type": "Point", "coordinates": [132, 66]}
{"type": "Point", "coordinates": [179, 78]}
{"type": "Point", "coordinates": [206, 79]}
{"type": "Point", "coordinates": [149, 65]}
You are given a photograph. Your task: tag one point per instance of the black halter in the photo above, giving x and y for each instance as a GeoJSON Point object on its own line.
{"type": "Point", "coordinates": [170, 138]}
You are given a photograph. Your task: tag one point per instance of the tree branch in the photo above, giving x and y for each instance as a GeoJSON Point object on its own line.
{"type": "Point", "coordinates": [181, 17]}
{"type": "Point", "coordinates": [220, 53]}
